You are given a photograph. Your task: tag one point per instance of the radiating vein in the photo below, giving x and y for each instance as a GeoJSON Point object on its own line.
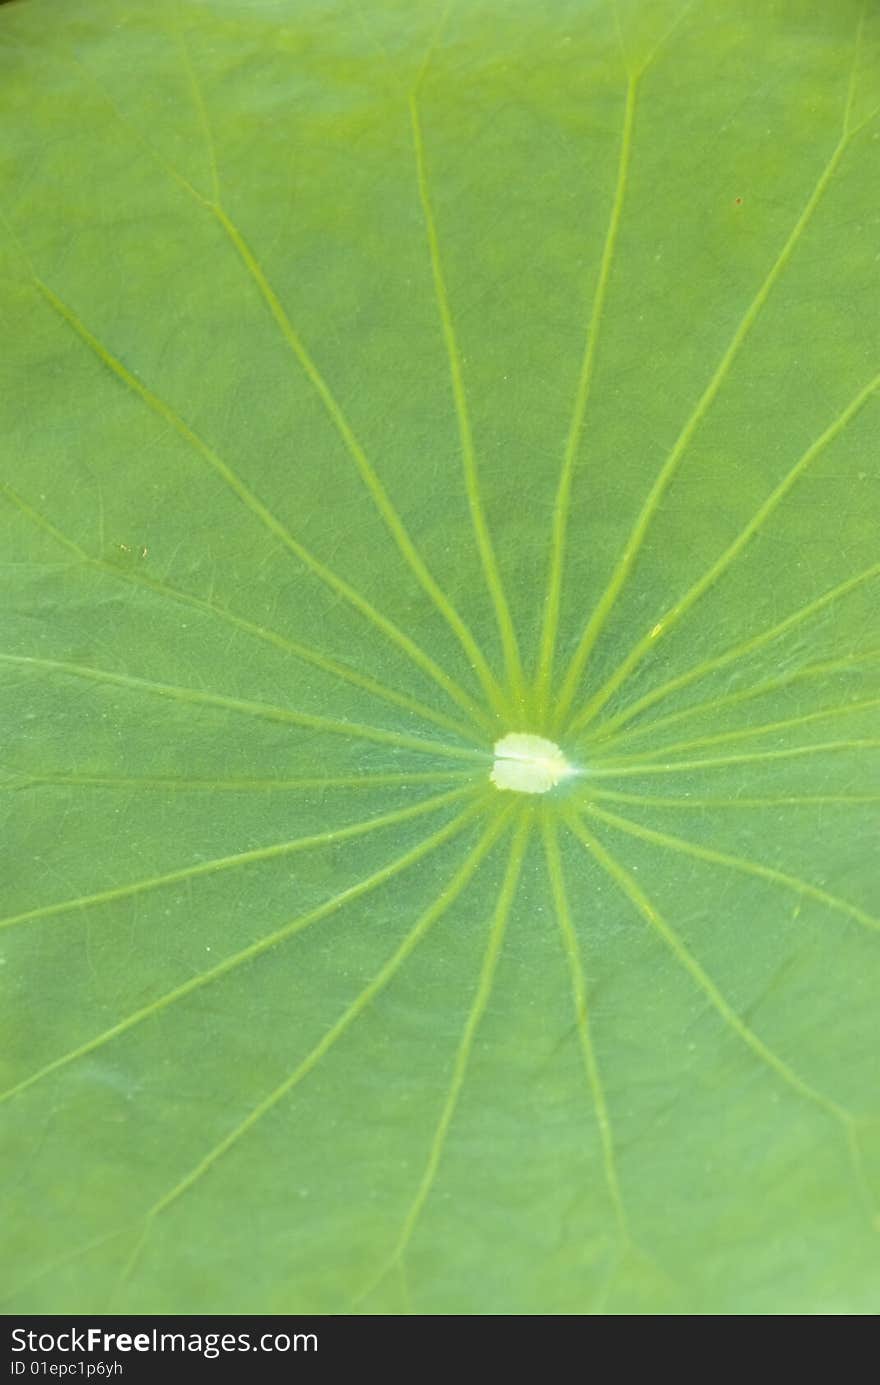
{"type": "Point", "coordinates": [433, 41]}
{"type": "Point", "coordinates": [748, 732]}
{"type": "Point", "coordinates": [611, 769]}
{"type": "Point", "coordinates": [850, 663]}
{"type": "Point", "coordinates": [462, 1059]}
{"type": "Point", "coordinates": [336, 414]}
{"type": "Point", "coordinates": [261, 512]}
{"type": "Point", "coordinates": [665, 37]}
{"type": "Point", "coordinates": [627, 883]}
{"type": "Point", "coordinates": [327, 398]}
{"type": "Point", "coordinates": [263, 710]}
{"type": "Point", "coordinates": [25, 779]}
{"type": "Point", "coordinates": [632, 547]}
{"type": "Point", "coordinates": [307, 653]}
{"type": "Point", "coordinates": [737, 651]}
{"type": "Point", "coordinates": [562, 504]}
{"type": "Point", "coordinates": [782, 878]}
{"type": "Point", "coordinates": [427, 919]}
{"type": "Point", "coordinates": [510, 647]}
{"type": "Point", "coordinates": [579, 995]}
{"type": "Point", "coordinates": [770, 801]}
{"type": "Point", "coordinates": [254, 950]}
{"type": "Point", "coordinates": [365, 468]}
{"type": "Point", "coordinates": [67, 1258]}
{"type": "Point", "coordinates": [198, 100]}
{"type": "Point", "coordinates": [674, 613]}
{"type": "Point", "coordinates": [239, 859]}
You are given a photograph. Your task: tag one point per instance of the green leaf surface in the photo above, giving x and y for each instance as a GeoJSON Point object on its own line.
{"type": "Point", "coordinates": [379, 380]}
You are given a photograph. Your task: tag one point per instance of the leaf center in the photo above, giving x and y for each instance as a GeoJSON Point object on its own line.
{"type": "Point", "coordinates": [528, 764]}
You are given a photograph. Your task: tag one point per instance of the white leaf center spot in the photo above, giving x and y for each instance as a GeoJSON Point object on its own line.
{"type": "Point", "coordinates": [528, 764]}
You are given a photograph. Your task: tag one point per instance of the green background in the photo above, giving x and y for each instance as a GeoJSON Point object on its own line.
{"type": "Point", "coordinates": [378, 379]}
